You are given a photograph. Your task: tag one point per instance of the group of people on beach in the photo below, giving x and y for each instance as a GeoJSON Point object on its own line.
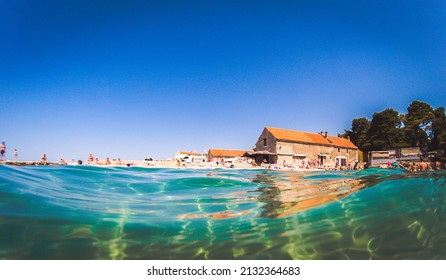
{"type": "Point", "coordinates": [95, 161]}
{"type": "Point", "coordinates": [304, 164]}
{"type": "Point", "coordinates": [91, 160]}
{"type": "Point", "coordinates": [313, 164]}
{"type": "Point", "coordinates": [423, 166]}
{"type": "Point", "coordinates": [62, 161]}
{"type": "Point", "coordinates": [241, 162]}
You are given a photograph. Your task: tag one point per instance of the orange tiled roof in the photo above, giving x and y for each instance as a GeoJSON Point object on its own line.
{"type": "Point", "coordinates": [341, 142]}
{"type": "Point", "coordinates": [310, 138]}
{"type": "Point", "coordinates": [190, 153]}
{"type": "Point", "coordinates": [226, 153]}
{"type": "Point", "coordinates": [298, 136]}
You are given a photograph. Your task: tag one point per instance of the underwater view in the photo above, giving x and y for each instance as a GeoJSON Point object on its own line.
{"type": "Point", "coordinates": [87, 212]}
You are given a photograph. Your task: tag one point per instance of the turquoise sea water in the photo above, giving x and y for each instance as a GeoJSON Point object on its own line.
{"type": "Point", "coordinates": [84, 212]}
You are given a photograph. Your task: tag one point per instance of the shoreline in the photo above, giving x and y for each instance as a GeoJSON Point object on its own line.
{"type": "Point", "coordinates": [170, 164]}
{"type": "Point", "coordinates": [163, 164]}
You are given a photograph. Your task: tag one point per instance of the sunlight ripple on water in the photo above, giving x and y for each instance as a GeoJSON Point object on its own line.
{"type": "Point", "coordinates": [84, 212]}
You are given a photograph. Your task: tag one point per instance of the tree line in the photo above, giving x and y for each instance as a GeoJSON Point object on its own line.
{"type": "Point", "coordinates": [422, 126]}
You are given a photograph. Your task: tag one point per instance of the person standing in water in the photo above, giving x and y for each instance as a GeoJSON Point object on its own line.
{"type": "Point", "coordinates": [15, 154]}
{"type": "Point", "coordinates": [90, 159]}
{"type": "Point", "coordinates": [43, 159]}
{"type": "Point", "coordinates": [2, 150]}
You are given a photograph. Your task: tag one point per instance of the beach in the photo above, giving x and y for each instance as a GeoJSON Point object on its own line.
{"type": "Point", "coordinates": [172, 164]}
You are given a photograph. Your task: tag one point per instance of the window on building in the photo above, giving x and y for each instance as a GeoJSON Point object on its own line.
{"type": "Point", "coordinates": [339, 150]}
{"type": "Point", "coordinates": [264, 142]}
{"type": "Point", "coordinates": [348, 151]}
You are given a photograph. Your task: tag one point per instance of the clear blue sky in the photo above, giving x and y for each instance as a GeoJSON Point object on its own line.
{"type": "Point", "coordinates": [136, 79]}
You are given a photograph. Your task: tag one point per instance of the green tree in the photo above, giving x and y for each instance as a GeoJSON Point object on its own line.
{"type": "Point", "coordinates": [358, 133]}
{"type": "Point", "coordinates": [385, 131]}
{"type": "Point", "coordinates": [438, 142]}
{"type": "Point", "coordinates": [421, 127]}
{"type": "Point", "coordinates": [442, 146]}
{"type": "Point", "coordinates": [418, 124]}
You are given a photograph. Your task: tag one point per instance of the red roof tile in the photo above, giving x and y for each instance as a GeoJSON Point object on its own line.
{"type": "Point", "coordinates": [189, 153]}
{"type": "Point", "coordinates": [341, 142]}
{"type": "Point", "coordinates": [310, 138]}
{"type": "Point", "coordinates": [298, 136]}
{"type": "Point", "coordinates": [226, 153]}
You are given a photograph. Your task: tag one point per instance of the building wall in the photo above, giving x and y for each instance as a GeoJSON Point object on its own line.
{"type": "Point", "coordinates": [271, 145]}
{"type": "Point", "coordinates": [288, 152]}
{"type": "Point", "coordinates": [270, 142]}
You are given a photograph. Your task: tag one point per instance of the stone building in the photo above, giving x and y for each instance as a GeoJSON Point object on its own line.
{"type": "Point", "coordinates": [190, 157]}
{"type": "Point", "coordinates": [277, 146]}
